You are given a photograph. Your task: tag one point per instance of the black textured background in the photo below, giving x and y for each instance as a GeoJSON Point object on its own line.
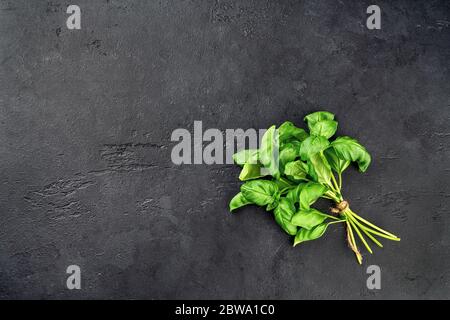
{"type": "Point", "coordinates": [85, 124]}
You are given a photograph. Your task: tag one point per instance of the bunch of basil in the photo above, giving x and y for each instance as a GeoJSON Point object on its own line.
{"type": "Point", "coordinates": [293, 169]}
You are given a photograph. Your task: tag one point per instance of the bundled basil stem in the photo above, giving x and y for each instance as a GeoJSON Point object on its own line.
{"type": "Point", "coordinates": [292, 169]}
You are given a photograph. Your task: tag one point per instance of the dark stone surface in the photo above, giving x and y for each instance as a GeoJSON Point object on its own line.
{"type": "Point", "coordinates": [85, 124]}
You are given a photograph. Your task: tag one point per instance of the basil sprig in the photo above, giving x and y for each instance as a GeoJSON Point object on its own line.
{"type": "Point", "coordinates": [292, 169]}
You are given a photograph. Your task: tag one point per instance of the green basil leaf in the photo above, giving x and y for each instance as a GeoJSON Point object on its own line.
{"type": "Point", "coordinates": [322, 170]}
{"type": "Point", "coordinates": [284, 185]}
{"type": "Point", "coordinates": [246, 156]}
{"type": "Point", "coordinates": [324, 128]}
{"type": "Point", "coordinates": [260, 192]}
{"type": "Point", "coordinates": [283, 214]}
{"type": "Point", "coordinates": [238, 201]}
{"type": "Point", "coordinates": [250, 172]}
{"type": "Point", "coordinates": [268, 152]}
{"type": "Point", "coordinates": [288, 130]}
{"type": "Point", "coordinates": [296, 170]}
{"type": "Point", "coordinates": [307, 235]}
{"type": "Point", "coordinates": [313, 145]}
{"type": "Point", "coordinates": [349, 149]}
{"type": "Point", "coordinates": [308, 219]}
{"type": "Point", "coordinates": [310, 193]}
{"type": "Point", "coordinates": [294, 194]}
{"type": "Point", "coordinates": [314, 117]}
{"type": "Point", "coordinates": [337, 164]}
{"type": "Point", "coordinates": [288, 153]}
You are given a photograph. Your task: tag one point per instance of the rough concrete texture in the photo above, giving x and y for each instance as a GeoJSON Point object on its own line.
{"type": "Point", "coordinates": [86, 118]}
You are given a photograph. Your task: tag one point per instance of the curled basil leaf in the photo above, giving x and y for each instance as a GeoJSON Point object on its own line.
{"type": "Point", "coordinates": [288, 131]}
{"type": "Point", "coordinates": [349, 149]}
{"type": "Point", "coordinates": [307, 235]}
{"type": "Point", "coordinates": [250, 172]}
{"type": "Point", "coordinates": [310, 193]}
{"type": "Point", "coordinates": [238, 201]}
{"type": "Point", "coordinates": [315, 117]}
